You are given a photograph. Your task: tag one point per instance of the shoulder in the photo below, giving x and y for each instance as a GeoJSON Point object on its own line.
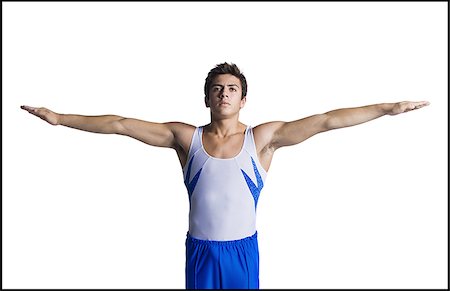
{"type": "Point", "coordinates": [264, 133]}
{"type": "Point", "coordinates": [180, 129]}
{"type": "Point", "coordinates": [182, 132]}
{"type": "Point", "coordinates": [176, 125]}
{"type": "Point", "coordinates": [265, 130]}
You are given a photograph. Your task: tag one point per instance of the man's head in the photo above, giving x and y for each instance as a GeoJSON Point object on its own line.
{"type": "Point", "coordinates": [221, 69]}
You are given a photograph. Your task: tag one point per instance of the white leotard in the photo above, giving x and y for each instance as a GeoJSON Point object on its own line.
{"type": "Point", "coordinates": [223, 193]}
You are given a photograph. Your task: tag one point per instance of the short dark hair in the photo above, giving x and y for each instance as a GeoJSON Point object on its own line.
{"type": "Point", "coordinates": [225, 68]}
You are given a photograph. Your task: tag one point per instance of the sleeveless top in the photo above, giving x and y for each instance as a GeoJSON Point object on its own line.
{"type": "Point", "coordinates": [223, 193]}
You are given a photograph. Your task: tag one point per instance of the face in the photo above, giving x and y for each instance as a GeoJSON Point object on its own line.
{"type": "Point", "coordinates": [225, 95]}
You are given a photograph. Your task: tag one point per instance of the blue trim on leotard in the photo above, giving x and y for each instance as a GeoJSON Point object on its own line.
{"type": "Point", "coordinates": [191, 185]}
{"type": "Point", "coordinates": [255, 190]}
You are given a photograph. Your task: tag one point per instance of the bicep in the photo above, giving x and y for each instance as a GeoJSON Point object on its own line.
{"type": "Point", "coordinates": [297, 131]}
{"type": "Point", "coordinates": [152, 133]}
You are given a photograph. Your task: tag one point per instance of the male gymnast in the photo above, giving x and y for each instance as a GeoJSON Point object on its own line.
{"type": "Point", "coordinates": [224, 164]}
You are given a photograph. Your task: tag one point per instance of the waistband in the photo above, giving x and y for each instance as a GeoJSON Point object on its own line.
{"type": "Point", "coordinates": [217, 242]}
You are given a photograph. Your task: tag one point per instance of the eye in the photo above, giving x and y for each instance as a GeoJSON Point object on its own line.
{"type": "Point", "coordinates": [232, 89]}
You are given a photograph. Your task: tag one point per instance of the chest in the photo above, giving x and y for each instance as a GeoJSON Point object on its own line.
{"type": "Point", "coordinates": [223, 148]}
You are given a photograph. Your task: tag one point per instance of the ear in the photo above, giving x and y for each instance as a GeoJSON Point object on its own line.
{"type": "Point", "coordinates": [243, 101]}
{"type": "Point", "coordinates": [206, 101]}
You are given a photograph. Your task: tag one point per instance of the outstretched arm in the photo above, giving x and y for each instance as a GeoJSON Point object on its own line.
{"type": "Point", "coordinates": [171, 134]}
{"type": "Point", "coordinates": [277, 134]}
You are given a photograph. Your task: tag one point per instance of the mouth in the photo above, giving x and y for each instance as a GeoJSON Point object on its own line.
{"type": "Point", "coordinates": [224, 103]}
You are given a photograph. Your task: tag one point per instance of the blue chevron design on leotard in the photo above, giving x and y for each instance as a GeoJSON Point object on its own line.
{"type": "Point", "coordinates": [191, 185]}
{"type": "Point", "coordinates": [255, 190]}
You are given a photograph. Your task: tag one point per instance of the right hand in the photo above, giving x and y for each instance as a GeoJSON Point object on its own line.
{"type": "Point", "coordinates": [43, 113]}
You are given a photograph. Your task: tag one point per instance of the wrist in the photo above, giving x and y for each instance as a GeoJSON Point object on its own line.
{"type": "Point", "coordinates": [59, 119]}
{"type": "Point", "coordinates": [386, 108]}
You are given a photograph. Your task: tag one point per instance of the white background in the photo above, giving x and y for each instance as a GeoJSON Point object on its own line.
{"type": "Point", "coordinates": [360, 207]}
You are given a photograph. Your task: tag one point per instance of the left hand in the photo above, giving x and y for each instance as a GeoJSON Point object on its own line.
{"type": "Point", "coordinates": [406, 106]}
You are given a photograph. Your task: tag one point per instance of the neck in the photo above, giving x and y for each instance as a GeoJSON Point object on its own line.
{"type": "Point", "coordinates": [225, 127]}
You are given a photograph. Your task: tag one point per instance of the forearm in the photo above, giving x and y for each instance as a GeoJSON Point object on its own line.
{"type": "Point", "coordinates": [96, 124]}
{"type": "Point", "coordinates": [352, 116]}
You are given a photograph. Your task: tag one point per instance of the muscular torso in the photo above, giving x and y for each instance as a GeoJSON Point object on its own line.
{"type": "Point", "coordinates": [223, 178]}
{"type": "Point", "coordinates": [226, 147]}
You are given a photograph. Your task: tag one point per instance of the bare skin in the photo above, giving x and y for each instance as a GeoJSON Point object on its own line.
{"type": "Point", "coordinates": [223, 137]}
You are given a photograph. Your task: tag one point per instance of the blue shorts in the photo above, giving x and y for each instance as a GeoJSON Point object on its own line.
{"type": "Point", "coordinates": [222, 264]}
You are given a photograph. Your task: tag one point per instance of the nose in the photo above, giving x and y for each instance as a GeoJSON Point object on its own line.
{"type": "Point", "coordinates": [223, 94]}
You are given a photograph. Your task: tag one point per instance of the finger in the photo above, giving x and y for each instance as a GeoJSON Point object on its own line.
{"type": "Point", "coordinates": [423, 103]}
{"type": "Point", "coordinates": [28, 108]}
{"type": "Point", "coordinates": [35, 112]}
{"type": "Point", "coordinates": [418, 105]}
